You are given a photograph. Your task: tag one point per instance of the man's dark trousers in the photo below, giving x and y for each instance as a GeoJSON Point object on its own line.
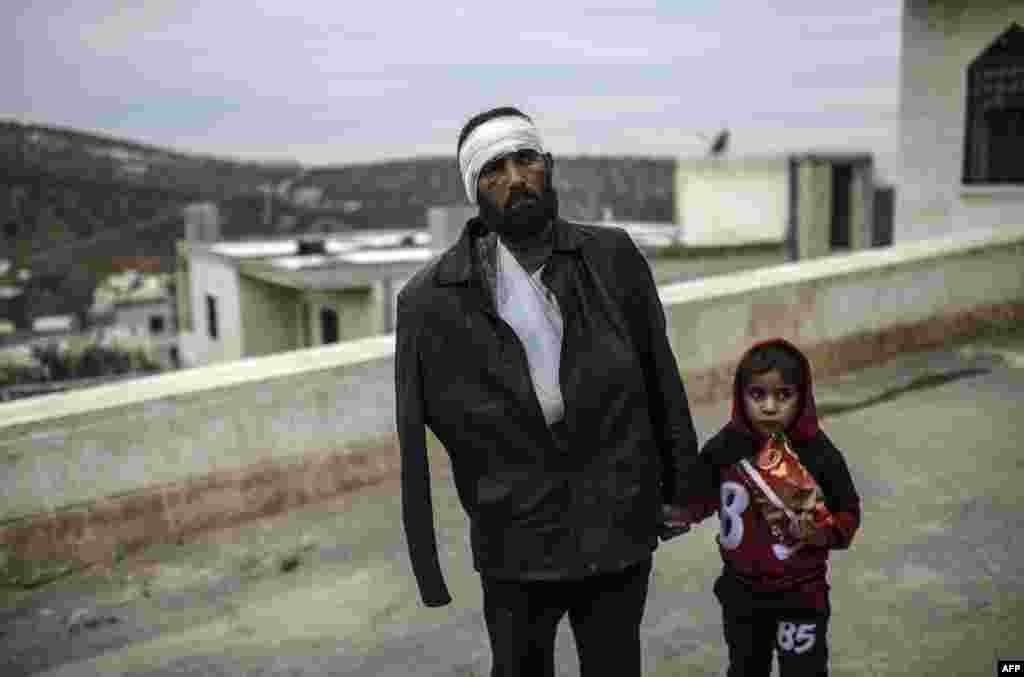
{"type": "Point", "coordinates": [604, 611]}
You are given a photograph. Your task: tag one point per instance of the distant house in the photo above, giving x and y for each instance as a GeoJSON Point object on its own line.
{"type": "Point", "coordinates": [142, 306]}
{"type": "Point", "coordinates": [248, 298]}
{"type": "Point", "coordinates": [817, 203]}
{"type": "Point", "coordinates": [961, 117]}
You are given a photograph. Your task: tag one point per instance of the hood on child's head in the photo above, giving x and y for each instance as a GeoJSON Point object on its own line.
{"type": "Point", "coordinates": [806, 424]}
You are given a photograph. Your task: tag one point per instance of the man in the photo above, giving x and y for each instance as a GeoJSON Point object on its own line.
{"type": "Point", "coordinates": [536, 351]}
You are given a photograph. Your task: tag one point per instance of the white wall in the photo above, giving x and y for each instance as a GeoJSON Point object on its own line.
{"type": "Point", "coordinates": [940, 39]}
{"type": "Point", "coordinates": [360, 312]}
{"type": "Point", "coordinates": [135, 318]}
{"type": "Point", "coordinates": [214, 276]}
{"type": "Point", "coordinates": [845, 296]}
{"type": "Point", "coordinates": [727, 201]}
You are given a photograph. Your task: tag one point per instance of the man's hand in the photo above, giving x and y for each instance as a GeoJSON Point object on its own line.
{"type": "Point", "coordinates": [675, 521]}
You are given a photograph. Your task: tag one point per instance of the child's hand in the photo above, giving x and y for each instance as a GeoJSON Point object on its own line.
{"type": "Point", "coordinates": [809, 532]}
{"type": "Point", "coordinates": [801, 529]}
{"type": "Point", "coordinates": [675, 521]}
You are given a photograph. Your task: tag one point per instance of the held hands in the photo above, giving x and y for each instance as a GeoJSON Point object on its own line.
{"type": "Point", "coordinates": [675, 521]}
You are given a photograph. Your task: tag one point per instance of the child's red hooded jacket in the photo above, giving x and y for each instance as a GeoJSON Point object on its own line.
{"type": "Point", "coordinates": [749, 549]}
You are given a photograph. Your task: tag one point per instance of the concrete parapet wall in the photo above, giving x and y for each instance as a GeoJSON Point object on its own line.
{"type": "Point", "coordinates": [850, 310]}
{"type": "Point", "coordinates": [66, 449]}
{"type": "Point", "coordinates": [90, 471]}
{"type": "Point", "coordinates": [153, 460]}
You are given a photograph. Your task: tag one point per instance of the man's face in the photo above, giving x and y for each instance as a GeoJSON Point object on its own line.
{"type": "Point", "coordinates": [513, 185]}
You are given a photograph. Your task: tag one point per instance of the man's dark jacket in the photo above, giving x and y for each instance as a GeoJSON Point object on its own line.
{"type": "Point", "coordinates": [541, 506]}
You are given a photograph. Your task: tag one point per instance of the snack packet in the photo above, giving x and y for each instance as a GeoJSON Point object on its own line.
{"type": "Point", "coordinates": [781, 469]}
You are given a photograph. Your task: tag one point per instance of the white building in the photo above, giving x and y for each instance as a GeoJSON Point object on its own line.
{"type": "Point", "coordinates": [961, 117]}
{"type": "Point", "coordinates": [817, 203]}
{"type": "Point", "coordinates": [142, 306]}
{"type": "Point", "coordinates": [249, 298]}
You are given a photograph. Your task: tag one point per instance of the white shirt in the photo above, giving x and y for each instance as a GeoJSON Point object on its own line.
{"type": "Point", "coordinates": [533, 313]}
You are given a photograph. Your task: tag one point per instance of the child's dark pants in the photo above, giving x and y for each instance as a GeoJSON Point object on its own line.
{"type": "Point", "coordinates": [604, 610]}
{"type": "Point", "coordinates": [758, 625]}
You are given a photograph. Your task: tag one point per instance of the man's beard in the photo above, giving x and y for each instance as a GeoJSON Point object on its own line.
{"type": "Point", "coordinates": [525, 216]}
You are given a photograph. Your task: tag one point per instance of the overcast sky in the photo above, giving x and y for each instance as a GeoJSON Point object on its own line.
{"type": "Point", "coordinates": [336, 82]}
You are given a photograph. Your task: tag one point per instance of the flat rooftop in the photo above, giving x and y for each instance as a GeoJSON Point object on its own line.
{"type": "Point", "coordinates": [326, 261]}
{"type": "Point", "coordinates": [358, 259]}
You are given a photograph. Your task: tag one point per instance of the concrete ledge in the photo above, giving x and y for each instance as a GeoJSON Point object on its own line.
{"type": "Point", "coordinates": [831, 359]}
{"type": "Point", "coordinates": [200, 379]}
{"type": "Point", "coordinates": [68, 539]}
{"type": "Point", "coordinates": [839, 266]}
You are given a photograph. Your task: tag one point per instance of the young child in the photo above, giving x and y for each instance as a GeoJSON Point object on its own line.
{"type": "Point", "coordinates": [784, 498]}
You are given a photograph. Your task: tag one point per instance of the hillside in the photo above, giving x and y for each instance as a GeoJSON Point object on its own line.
{"type": "Point", "coordinates": [71, 199]}
{"type": "Point", "coordinates": [92, 184]}
{"type": "Point", "coordinates": [398, 193]}
{"type": "Point", "coordinates": [66, 194]}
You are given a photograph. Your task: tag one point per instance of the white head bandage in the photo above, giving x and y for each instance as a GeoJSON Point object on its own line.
{"type": "Point", "coordinates": [494, 138]}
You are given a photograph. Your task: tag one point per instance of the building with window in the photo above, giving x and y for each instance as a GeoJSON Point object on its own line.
{"type": "Point", "coordinates": [259, 297]}
{"type": "Point", "coordinates": [816, 203]}
{"type": "Point", "coordinates": [142, 306]}
{"type": "Point", "coordinates": [961, 117]}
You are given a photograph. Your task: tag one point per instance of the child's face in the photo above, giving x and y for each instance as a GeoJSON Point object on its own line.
{"type": "Point", "coordinates": [771, 404]}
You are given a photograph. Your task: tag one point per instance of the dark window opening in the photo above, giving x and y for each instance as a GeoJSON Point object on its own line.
{"type": "Point", "coordinates": [328, 325]}
{"type": "Point", "coordinates": [308, 247]}
{"type": "Point", "coordinates": [994, 133]}
{"type": "Point", "coordinates": [211, 316]}
{"type": "Point", "coordinates": [839, 226]}
{"type": "Point", "coordinates": [1005, 157]}
{"type": "Point", "coordinates": [156, 324]}
{"type": "Point", "coordinates": [885, 204]}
